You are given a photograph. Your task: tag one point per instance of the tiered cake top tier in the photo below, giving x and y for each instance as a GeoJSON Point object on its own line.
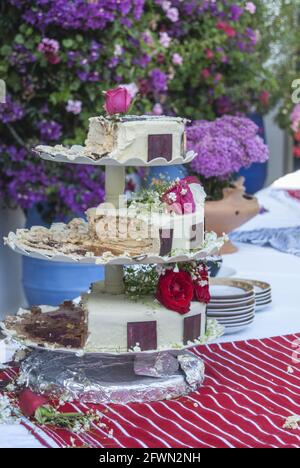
{"type": "Point", "coordinates": [127, 140]}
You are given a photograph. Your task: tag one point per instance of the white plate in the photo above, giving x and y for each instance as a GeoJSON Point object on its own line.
{"type": "Point", "coordinates": [263, 306]}
{"type": "Point", "coordinates": [78, 154]}
{"type": "Point", "coordinates": [234, 302]}
{"type": "Point", "coordinates": [229, 310]}
{"type": "Point", "coordinates": [220, 290]}
{"type": "Point", "coordinates": [232, 317]}
{"type": "Point", "coordinates": [236, 322]}
{"type": "Point", "coordinates": [225, 272]}
{"type": "Point", "coordinates": [212, 247]}
{"type": "Point", "coordinates": [263, 300]}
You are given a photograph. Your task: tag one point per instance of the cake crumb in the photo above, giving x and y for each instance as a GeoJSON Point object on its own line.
{"type": "Point", "coordinates": [292, 422]}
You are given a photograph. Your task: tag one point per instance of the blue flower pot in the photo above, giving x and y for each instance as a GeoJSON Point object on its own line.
{"type": "Point", "coordinates": [170, 173]}
{"type": "Point", "coordinates": [51, 283]}
{"type": "Point", "coordinates": [256, 174]}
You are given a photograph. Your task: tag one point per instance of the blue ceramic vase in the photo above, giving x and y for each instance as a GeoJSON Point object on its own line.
{"type": "Point", "coordinates": [256, 174]}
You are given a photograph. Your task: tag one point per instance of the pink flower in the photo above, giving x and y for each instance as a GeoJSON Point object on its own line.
{"type": "Point", "coordinates": [209, 54]}
{"type": "Point", "coordinates": [295, 118]}
{"type": "Point", "coordinates": [264, 97]}
{"type": "Point", "coordinates": [173, 14]}
{"type": "Point", "coordinates": [52, 58]}
{"type": "Point", "coordinates": [228, 30]}
{"type": "Point", "coordinates": [177, 59]}
{"type": "Point", "coordinates": [250, 7]}
{"type": "Point", "coordinates": [218, 77]}
{"type": "Point", "coordinates": [205, 73]}
{"type": "Point", "coordinates": [50, 48]}
{"type": "Point", "coordinates": [164, 39]}
{"type": "Point", "coordinates": [117, 100]}
{"type": "Point", "coordinates": [157, 109]}
{"type": "Point", "coordinates": [179, 197]}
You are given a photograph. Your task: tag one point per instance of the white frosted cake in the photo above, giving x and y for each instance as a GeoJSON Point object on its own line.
{"type": "Point", "coordinates": [143, 137]}
{"type": "Point", "coordinates": [110, 323]}
{"type": "Point", "coordinates": [160, 308]}
{"type": "Point", "coordinates": [118, 324]}
{"type": "Point", "coordinates": [171, 226]}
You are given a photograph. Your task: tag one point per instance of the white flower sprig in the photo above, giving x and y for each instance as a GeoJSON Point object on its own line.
{"type": "Point", "coordinates": [7, 413]}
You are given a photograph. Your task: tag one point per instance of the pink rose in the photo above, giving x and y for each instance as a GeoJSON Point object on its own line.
{"type": "Point", "coordinates": [117, 101]}
{"type": "Point", "coordinates": [180, 198]}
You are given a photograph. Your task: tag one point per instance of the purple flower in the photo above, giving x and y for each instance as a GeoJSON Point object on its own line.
{"type": "Point", "coordinates": [236, 12]}
{"type": "Point", "coordinates": [173, 14]}
{"type": "Point", "coordinates": [50, 130]}
{"type": "Point", "coordinates": [225, 145]}
{"type": "Point", "coordinates": [147, 38]}
{"type": "Point", "coordinates": [250, 7]}
{"type": "Point", "coordinates": [131, 88]}
{"type": "Point", "coordinates": [159, 80]}
{"type": "Point", "coordinates": [74, 106]}
{"type": "Point", "coordinates": [177, 59]}
{"type": "Point", "coordinates": [48, 46]}
{"type": "Point", "coordinates": [79, 14]}
{"type": "Point", "coordinates": [11, 111]}
{"type": "Point", "coordinates": [164, 39]}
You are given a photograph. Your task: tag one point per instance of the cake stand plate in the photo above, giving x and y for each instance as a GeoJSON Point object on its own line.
{"type": "Point", "coordinates": [210, 248]}
{"type": "Point", "coordinates": [102, 378]}
{"type": "Point", "coordinates": [81, 155]}
{"type": "Point", "coordinates": [214, 330]}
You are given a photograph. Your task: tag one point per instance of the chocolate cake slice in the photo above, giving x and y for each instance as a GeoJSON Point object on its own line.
{"type": "Point", "coordinates": [65, 326]}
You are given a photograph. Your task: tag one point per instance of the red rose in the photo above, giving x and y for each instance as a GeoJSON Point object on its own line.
{"type": "Point", "coordinates": [202, 292]}
{"type": "Point", "coordinates": [29, 402]}
{"type": "Point", "coordinates": [117, 101]}
{"type": "Point", "coordinates": [175, 291]}
{"type": "Point", "coordinates": [201, 284]}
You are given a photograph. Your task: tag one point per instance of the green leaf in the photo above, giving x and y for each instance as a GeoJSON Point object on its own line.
{"type": "Point", "coordinates": [68, 43]}
{"type": "Point", "coordinates": [19, 39]}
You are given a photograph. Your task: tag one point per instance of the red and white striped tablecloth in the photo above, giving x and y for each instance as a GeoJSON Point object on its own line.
{"type": "Point", "coordinates": [250, 388]}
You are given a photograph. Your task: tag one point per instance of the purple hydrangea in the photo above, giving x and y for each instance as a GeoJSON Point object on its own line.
{"type": "Point", "coordinates": [50, 130]}
{"type": "Point", "coordinates": [11, 111]}
{"type": "Point", "coordinates": [225, 145]}
{"type": "Point", "coordinates": [78, 14]}
{"type": "Point", "coordinates": [159, 80]}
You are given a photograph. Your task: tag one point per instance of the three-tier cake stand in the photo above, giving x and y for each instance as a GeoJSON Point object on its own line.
{"type": "Point", "coordinates": [107, 377]}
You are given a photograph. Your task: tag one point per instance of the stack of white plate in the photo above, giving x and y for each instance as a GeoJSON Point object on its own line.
{"type": "Point", "coordinates": [232, 303]}
{"type": "Point", "coordinates": [262, 290]}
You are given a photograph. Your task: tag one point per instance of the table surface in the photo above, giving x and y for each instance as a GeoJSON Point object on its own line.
{"type": "Point", "coordinates": [281, 270]}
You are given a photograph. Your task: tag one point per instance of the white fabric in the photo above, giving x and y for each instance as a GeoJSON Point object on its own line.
{"type": "Point", "coordinates": [281, 270]}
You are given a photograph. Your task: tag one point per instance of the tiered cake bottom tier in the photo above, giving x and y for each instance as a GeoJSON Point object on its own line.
{"type": "Point", "coordinates": [108, 323]}
{"type": "Point", "coordinates": [118, 324]}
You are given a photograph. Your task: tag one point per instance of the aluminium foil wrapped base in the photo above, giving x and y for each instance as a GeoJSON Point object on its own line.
{"type": "Point", "coordinates": [102, 378]}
